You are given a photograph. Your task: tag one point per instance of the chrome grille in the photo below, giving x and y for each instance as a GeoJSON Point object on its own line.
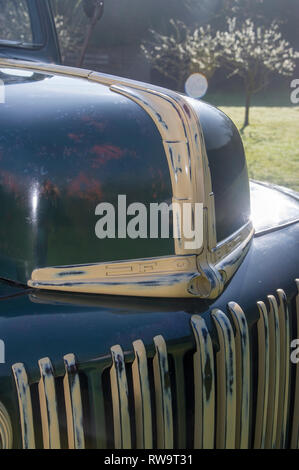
{"type": "Point", "coordinates": [147, 390]}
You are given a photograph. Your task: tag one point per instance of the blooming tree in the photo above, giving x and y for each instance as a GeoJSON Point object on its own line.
{"type": "Point", "coordinates": [183, 52]}
{"type": "Point", "coordinates": [254, 53]}
{"type": "Point", "coordinates": [250, 51]}
{"type": "Point", "coordinates": [71, 24]}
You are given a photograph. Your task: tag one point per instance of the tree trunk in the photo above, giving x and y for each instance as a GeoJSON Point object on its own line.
{"type": "Point", "coordinates": [98, 13]}
{"type": "Point", "coordinates": [247, 109]}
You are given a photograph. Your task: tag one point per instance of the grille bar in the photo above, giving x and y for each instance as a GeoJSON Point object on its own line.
{"type": "Point", "coordinates": [119, 390]}
{"type": "Point", "coordinates": [48, 405]}
{"type": "Point", "coordinates": [25, 405]}
{"type": "Point", "coordinates": [73, 404]}
{"type": "Point", "coordinates": [164, 416]}
{"type": "Point", "coordinates": [142, 398]}
{"type": "Point", "coordinates": [295, 426]}
{"type": "Point", "coordinates": [226, 383]}
{"type": "Point", "coordinates": [204, 386]}
{"type": "Point", "coordinates": [284, 380]}
{"type": "Point", "coordinates": [263, 377]}
{"type": "Point", "coordinates": [243, 375]}
{"type": "Point", "coordinates": [274, 341]}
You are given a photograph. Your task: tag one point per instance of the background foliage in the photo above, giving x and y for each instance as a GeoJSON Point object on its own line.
{"type": "Point", "coordinates": [271, 140]}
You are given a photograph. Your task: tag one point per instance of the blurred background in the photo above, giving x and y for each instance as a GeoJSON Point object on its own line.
{"type": "Point", "coordinates": [240, 55]}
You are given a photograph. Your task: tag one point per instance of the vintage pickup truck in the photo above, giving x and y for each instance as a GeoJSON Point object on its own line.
{"type": "Point", "coordinates": [139, 343]}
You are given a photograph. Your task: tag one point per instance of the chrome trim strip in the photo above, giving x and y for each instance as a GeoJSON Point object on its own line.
{"type": "Point", "coordinates": [164, 415]}
{"type": "Point", "coordinates": [284, 381]}
{"type": "Point", "coordinates": [275, 229]}
{"type": "Point", "coordinates": [295, 424]}
{"type": "Point", "coordinates": [119, 391]}
{"type": "Point", "coordinates": [204, 386]}
{"type": "Point", "coordinates": [25, 405]}
{"type": "Point", "coordinates": [48, 405]}
{"type": "Point", "coordinates": [142, 398]}
{"type": "Point", "coordinates": [171, 277]}
{"type": "Point", "coordinates": [263, 377]}
{"type": "Point", "coordinates": [73, 403]}
{"type": "Point", "coordinates": [226, 383]}
{"type": "Point", "coordinates": [243, 379]}
{"type": "Point", "coordinates": [274, 343]}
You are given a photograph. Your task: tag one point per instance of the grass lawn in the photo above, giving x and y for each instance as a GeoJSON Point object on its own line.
{"type": "Point", "coordinates": [271, 141]}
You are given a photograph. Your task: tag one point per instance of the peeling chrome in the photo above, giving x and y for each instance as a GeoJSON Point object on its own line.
{"type": "Point", "coordinates": [25, 405]}
{"type": "Point", "coordinates": [6, 435]}
{"type": "Point", "coordinates": [284, 380]}
{"type": "Point", "coordinates": [226, 383]}
{"type": "Point", "coordinates": [274, 349]}
{"type": "Point", "coordinates": [243, 378]}
{"type": "Point", "coordinates": [164, 413]}
{"type": "Point", "coordinates": [263, 377]}
{"type": "Point", "coordinates": [73, 403]}
{"type": "Point", "coordinates": [204, 386]}
{"type": "Point", "coordinates": [48, 405]}
{"type": "Point", "coordinates": [119, 390]}
{"type": "Point", "coordinates": [142, 398]}
{"type": "Point", "coordinates": [295, 424]}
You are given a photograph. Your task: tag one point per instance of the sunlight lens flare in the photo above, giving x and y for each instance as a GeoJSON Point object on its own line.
{"type": "Point", "coordinates": [196, 85]}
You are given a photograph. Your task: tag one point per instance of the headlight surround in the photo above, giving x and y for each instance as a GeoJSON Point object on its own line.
{"type": "Point", "coordinates": [6, 436]}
